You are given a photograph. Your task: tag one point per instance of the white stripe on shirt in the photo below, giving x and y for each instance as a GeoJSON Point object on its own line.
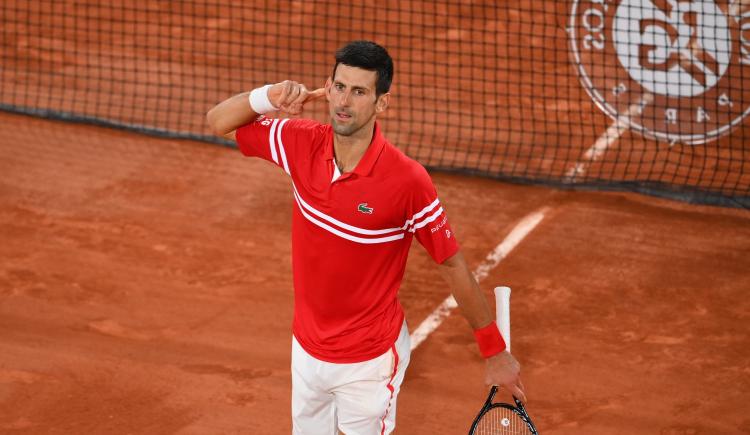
{"type": "Point", "coordinates": [428, 220]}
{"type": "Point", "coordinates": [281, 146]}
{"type": "Point", "coordinates": [272, 141]}
{"type": "Point", "coordinates": [421, 213]}
{"type": "Point", "coordinates": [337, 222]}
{"type": "Point", "coordinates": [344, 235]}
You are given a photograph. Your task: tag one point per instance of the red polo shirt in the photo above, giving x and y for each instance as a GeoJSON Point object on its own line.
{"type": "Point", "coordinates": [350, 235]}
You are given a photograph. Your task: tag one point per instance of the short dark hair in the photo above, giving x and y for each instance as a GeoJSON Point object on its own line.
{"type": "Point", "coordinates": [370, 56]}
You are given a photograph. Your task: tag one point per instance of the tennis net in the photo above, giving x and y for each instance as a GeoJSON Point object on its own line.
{"type": "Point", "coordinates": [642, 95]}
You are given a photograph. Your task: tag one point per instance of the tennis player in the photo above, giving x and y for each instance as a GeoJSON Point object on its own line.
{"type": "Point", "coordinates": [359, 202]}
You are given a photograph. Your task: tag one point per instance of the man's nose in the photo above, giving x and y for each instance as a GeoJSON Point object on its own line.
{"type": "Point", "coordinates": [344, 99]}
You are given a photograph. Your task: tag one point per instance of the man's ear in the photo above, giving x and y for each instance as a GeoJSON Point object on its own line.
{"type": "Point", "coordinates": [382, 103]}
{"type": "Point", "coordinates": [327, 86]}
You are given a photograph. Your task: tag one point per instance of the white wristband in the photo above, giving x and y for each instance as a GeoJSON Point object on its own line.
{"type": "Point", "coordinates": [259, 101]}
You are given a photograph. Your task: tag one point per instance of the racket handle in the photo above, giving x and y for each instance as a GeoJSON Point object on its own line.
{"type": "Point", "coordinates": [502, 312]}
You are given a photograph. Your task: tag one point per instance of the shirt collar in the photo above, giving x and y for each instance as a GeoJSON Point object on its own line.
{"type": "Point", "coordinates": [367, 162]}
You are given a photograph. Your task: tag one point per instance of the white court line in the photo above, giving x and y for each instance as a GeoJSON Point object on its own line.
{"type": "Point", "coordinates": [605, 141]}
{"type": "Point", "coordinates": [519, 232]}
{"type": "Point", "coordinates": [736, 9]}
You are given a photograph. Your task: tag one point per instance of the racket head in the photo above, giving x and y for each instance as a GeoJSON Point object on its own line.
{"type": "Point", "coordinates": [502, 418]}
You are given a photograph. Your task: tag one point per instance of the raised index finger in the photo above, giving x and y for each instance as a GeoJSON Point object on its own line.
{"type": "Point", "coordinates": [314, 95]}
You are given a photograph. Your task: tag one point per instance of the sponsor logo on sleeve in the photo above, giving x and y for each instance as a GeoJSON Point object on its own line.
{"type": "Point", "coordinates": [439, 225]}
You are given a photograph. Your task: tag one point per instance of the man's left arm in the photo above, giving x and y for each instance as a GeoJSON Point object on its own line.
{"type": "Point", "coordinates": [502, 368]}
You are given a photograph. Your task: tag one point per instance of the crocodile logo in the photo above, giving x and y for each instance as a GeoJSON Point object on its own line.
{"type": "Point", "coordinates": [363, 208]}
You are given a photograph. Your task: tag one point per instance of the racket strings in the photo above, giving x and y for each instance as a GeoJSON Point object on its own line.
{"type": "Point", "coordinates": [501, 421]}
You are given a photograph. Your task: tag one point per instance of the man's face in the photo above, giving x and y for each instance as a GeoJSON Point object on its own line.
{"type": "Point", "coordinates": [352, 102]}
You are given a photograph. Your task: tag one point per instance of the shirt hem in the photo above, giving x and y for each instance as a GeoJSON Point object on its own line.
{"type": "Point", "coordinates": [354, 358]}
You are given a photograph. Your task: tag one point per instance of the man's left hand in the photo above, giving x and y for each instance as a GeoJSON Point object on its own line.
{"type": "Point", "coordinates": [504, 371]}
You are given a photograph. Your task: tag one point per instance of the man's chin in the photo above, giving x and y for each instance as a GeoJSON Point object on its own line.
{"type": "Point", "coordinates": [344, 130]}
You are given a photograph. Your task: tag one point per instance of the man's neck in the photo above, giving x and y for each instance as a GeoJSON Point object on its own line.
{"type": "Point", "coordinates": [348, 150]}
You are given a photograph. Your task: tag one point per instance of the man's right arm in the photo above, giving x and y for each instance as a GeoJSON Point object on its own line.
{"type": "Point", "coordinates": [234, 112]}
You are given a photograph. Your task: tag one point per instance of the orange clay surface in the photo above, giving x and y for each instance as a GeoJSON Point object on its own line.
{"type": "Point", "coordinates": [145, 288]}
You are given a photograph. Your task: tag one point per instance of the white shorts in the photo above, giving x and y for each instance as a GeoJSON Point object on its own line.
{"type": "Point", "coordinates": [356, 399]}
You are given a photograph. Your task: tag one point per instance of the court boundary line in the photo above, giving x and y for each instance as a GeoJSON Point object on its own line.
{"type": "Point", "coordinates": [519, 232]}
{"type": "Point", "coordinates": [605, 141]}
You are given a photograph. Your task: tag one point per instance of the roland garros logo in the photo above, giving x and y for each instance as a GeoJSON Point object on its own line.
{"type": "Point", "coordinates": [674, 70]}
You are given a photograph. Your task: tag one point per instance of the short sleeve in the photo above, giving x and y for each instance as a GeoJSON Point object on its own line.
{"type": "Point", "coordinates": [275, 140]}
{"type": "Point", "coordinates": [429, 221]}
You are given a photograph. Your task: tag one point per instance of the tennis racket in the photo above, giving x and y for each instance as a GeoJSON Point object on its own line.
{"type": "Point", "coordinates": [502, 418]}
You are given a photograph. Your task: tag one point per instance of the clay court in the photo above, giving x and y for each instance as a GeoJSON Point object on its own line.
{"type": "Point", "coordinates": [146, 287]}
